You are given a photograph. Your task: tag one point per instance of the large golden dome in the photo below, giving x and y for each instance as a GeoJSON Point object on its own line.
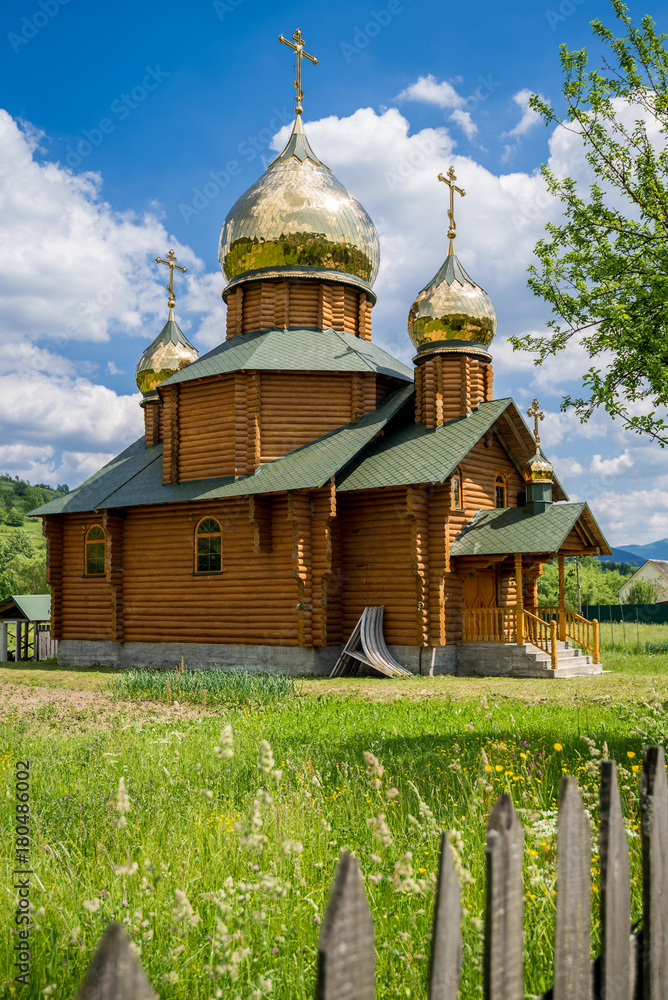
{"type": "Point", "coordinates": [169, 353]}
{"type": "Point", "coordinates": [297, 218]}
{"type": "Point", "coordinates": [452, 308]}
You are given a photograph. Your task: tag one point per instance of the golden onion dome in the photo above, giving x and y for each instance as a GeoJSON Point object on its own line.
{"type": "Point", "coordinates": [298, 219]}
{"type": "Point", "coordinates": [538, 470]}
{"type": "Point", "coordinates": [169, 353]}
{"type": "Point", "coordinates": [451, 310]}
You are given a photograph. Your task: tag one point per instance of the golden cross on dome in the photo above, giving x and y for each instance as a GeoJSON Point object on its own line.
{"type": "Point", "coordinates": [298, 48]}
{"type": "Point", "coordinates": [537, 415]}
{"type": "Point", "coordinates": [450, 181]}
{"type": "Point", "coordinates": [171, 264]}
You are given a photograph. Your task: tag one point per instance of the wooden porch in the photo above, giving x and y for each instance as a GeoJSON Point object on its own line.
{"type": "Point", "coordinates": [541, 626]}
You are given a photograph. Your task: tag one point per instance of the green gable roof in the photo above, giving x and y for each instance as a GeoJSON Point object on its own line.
{"type": "Point", "coordinates": [33, 607]}
{"type": "Point", "coordinates": [294, 349]}
{"type": "Point", "coordinates": [128, 482]}
{"type": "Point", "coordinates": [496, 532]}
{"type": "Point", "coordinates": [415, 454]}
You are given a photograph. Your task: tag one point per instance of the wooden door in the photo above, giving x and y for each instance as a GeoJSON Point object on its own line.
{"type": "Point", "coordinates": [479, 589]}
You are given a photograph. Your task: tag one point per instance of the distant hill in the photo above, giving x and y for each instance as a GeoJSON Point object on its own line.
{"type": "Point", "coordinates": [640, 553]}
{"type": "Point", "coordinates": [624, 556]}
{"type": "Point", "coordinates": [17, 497]}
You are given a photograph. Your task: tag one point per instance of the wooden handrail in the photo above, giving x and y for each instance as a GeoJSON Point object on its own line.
{"type": "Point", "coordinates": [543, 627]}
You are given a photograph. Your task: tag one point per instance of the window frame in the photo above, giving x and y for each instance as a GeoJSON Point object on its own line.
{"type": "Point", "coordinates": [89, 543]}
{"type": "Point", "coordinates": [457, 487]}
{"type": "Point", "coordinates": [500, 482]}
{"type": "Point", "coordinates": [209, 534]}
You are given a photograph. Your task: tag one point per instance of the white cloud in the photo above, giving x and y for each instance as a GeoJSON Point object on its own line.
{"type": "Point", "coordinates": [529, 119]}
{"type": "Point", "coordinates": [639, 517]}
{"type": "Point", "coordinates": [429, 90]}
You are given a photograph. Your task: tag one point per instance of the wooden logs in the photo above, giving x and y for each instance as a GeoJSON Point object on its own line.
{"type": "Point", "coordinates": [52, 529]}
{"type": "Point", "coordinates": [112, 524]}
{"type": "Point", "coordinates": [321, 304]}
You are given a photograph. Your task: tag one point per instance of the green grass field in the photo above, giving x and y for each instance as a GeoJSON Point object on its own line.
{"type": "Point", "coordinates": [221, 866]}
{"type": "Point", "coordinates": [32, 527]}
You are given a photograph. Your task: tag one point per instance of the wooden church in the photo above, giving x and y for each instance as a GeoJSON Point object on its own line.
{"type": "Point", "coordinates": [298, 474]}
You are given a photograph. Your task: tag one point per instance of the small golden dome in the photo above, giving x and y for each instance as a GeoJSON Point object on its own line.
{"type": "Point", "coordinates": [452, 310]}
{"type": "Point", "coordinates": [538, 470]}
{"type": "Point", "coordinates": [298, 217]}
{"type": "Point", "coordinates": [169, 353]}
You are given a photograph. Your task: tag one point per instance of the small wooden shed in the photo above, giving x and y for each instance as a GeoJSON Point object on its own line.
{"type": "Point", "coordinates": [30, 616]}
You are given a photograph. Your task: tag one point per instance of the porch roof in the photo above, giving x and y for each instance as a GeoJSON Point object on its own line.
{"type": "Point", "coordinates": [26, 607]}
{"type": "Point", "coordinates": [514, 530]}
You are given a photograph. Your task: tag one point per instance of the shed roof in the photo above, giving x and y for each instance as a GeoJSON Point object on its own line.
{"type": "Point", "coordinates": [294, 349]}
{"type": "Point", "coordinates": [31, 607]}
{"type": "Point", "coordinates": [513, 529]}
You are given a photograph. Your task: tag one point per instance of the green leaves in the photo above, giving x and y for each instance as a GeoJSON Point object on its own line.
{"type": "Point", "coordinates": [604, 269]}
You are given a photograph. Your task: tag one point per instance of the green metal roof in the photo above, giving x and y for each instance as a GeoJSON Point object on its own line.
{"type": "Point", "coordinates": [415, 454]}
{"type": "Point", "coordinates": [33, 607]}
{"type": "Point", "coordinates": [294, 349]}
{"type": "Point", "coordinates": [308, 467]}
{"type": "Point", "coordinates": [496, 532]}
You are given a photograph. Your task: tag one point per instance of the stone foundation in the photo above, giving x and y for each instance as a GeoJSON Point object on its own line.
{"type": "Point", "coordinates": [295, 661]}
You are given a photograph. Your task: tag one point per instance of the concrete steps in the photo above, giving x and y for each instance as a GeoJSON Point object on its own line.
{"type": "Point", "coordinates": [487, 659]}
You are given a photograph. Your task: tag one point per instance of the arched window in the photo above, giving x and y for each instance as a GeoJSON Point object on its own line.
{"type": "Point", "coordinates": [457, 497]}
{"type": "Point", "coordinates": [208, 546]}
{"type": "Point", "coordinates": [501, 496]}
{"type": "Point", "coordinates": [96, 546]}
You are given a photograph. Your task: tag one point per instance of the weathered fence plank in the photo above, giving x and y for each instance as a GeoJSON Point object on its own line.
{"type": "Point", "coordinates": [446, 943]}
{"type": "Point", "coordinates": [572, 966]}
{"type": "Point", "coordinates": [346, 956]}
{"type": "Point", "coordinates": [654, 812]}
{"type": "Point", "coordinates": [615, 964]}
{"type": "Point", "coordinates": [503, 958]}
{"type": "Point", "coordinates": [115, 973]}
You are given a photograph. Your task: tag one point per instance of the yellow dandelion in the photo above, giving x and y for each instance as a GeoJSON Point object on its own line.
{"type": "Point", "coordinates": [630, 754]}
{"type": "Point", "coordinates": [499, 767]}
{"type": "Point", "coordinates": [558, 746]}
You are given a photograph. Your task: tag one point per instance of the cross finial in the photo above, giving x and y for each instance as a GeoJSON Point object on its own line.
{"type": "Point", "coordinates": [171, 264]}
{"type": "Point", "coordinates": [450, 181]}
{"type": "Point", "coordinates": [537, 415]}
{"type": "Point", "coordinates": [298, 48]}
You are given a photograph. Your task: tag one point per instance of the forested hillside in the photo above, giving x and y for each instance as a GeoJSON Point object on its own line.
{"type": "Point", "coordinates": [22, 548]}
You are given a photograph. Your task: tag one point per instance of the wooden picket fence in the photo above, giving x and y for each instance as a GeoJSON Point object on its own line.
{"type": "Point", "coordinates": [630, 966]}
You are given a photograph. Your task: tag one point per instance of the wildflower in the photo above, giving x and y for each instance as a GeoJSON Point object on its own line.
{"type": "Point", "coordinates": [170, 977]}
{"type": "Point", "coordinates": [183, 913]}
{"type": "Point", "coordinates": [91, 905]}
{"type": "Point", "coordinates": [374, 769]}
{"type": "Point", "coordinates": [48, 990]}
{"type": "Point", "coordinates": [292, 846]}
{"type": "Point", "coordinates": [499, 767]}
{"type": "Point", "coordinates": [122, 805]}
{"type": "Point", "coordinates": [391, 793]}
{"type": "Point", "coordinates": [128, 869]}
{"type": "Point", "coordinates": [206, 793]}
{"type": "Point", "coordinates": [266, 762]}
{"type": "Point", "coordinates": [558, 746]}
{"type": "Point", "coordinates": [381, 829]}
{"type": "Point", "coordinates": [630, 754]}
{"type": "Point", "coordinates": [226, 748]}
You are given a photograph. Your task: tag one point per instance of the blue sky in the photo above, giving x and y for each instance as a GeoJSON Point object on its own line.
{"type": "Point", "coordinates": [133, 127]}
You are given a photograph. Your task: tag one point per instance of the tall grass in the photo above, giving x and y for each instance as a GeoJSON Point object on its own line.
{"type": "Point", "coordinates": [203, 686]}
{"type": "Point", "coordinates": [219, 850]}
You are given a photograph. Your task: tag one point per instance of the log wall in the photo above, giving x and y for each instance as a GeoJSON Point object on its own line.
{"type": "Point", "coordinates": [377, 565]}
{"type": "Point", "coordinates": [252, 601]}
{"type": "Point", "coordinates": [86, 611]}
{"type": "Point", "coordinates": [52, 529]}
{"type": "Point", "coordinates": [206, 428]}
{"type": "Point", "coordinates": [153, 431]}
{"type": "Point", "coordinates": [268, 304]}
{"type": "Point", "coordinates": [449, 386]}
